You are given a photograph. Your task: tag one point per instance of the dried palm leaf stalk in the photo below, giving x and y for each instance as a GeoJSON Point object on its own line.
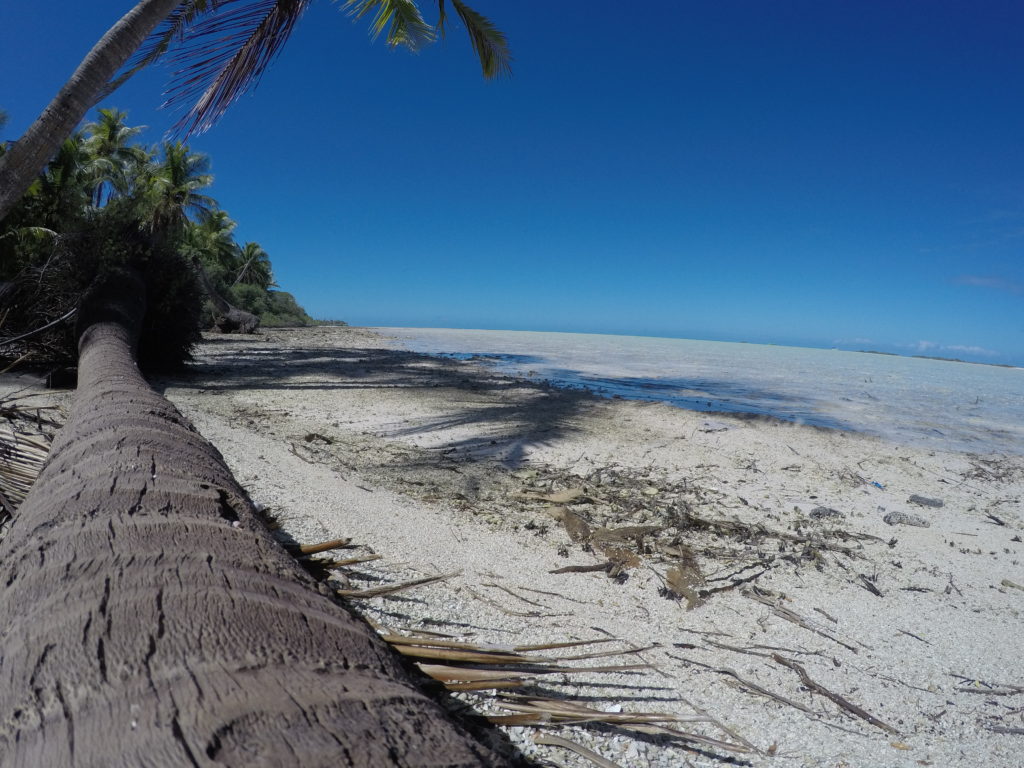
{"type": "Point", "coordinates": [24, 447]}
{"type": "Point", "coordinates": [390, 589]}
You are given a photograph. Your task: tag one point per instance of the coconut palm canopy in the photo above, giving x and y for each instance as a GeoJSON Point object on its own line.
{"type": "Point", "coordinates": [218, 49]}
{"type": "Point", "coordinates": [59, 236]}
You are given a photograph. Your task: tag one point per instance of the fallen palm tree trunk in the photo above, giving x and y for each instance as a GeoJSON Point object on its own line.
{"type": "Point", "coordinates": [148, 618]}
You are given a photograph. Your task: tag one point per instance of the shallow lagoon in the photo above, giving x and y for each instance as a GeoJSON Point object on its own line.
{"type": "Point", "coordinates": [933, 403]}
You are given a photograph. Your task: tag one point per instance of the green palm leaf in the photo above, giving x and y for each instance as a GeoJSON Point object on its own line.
{"type": "Point", "coordinates": [222, 47]}
{"type": "Point", "coordinates": [224, 52]}
{"type": "Point", "coordinates": [171, 31]}
{"type": "Point", "coordinates": [490, 44]}
{"type": "Point", "coordinates": [407, 25]}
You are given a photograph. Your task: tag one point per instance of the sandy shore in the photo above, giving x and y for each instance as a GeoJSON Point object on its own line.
{"type": "Point", "coordinates": [749, 560]}
{"type": "Point", "coordinates": [440, 466]}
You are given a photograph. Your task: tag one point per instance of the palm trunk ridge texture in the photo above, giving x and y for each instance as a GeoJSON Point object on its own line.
{"type": "Point", "coordinates": [148, 619]}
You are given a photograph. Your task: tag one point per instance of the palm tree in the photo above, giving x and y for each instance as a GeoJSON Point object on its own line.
{"type": "Point", "coordinates": [222, 47]}
{"type": "Point", "coordinates": [255, 267]}
{"type": "Point", "coordinates": [115, 160]}
{"type": "Point", "coordinates": [61, 193]}
{"type": "Point", "coordinates": [146, 617]}
{"type": "Point", "coordinates": [212, 240]}
{"type": "Point", "coordinates": [174, 187]}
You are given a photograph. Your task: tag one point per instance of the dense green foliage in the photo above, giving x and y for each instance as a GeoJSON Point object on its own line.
{"type": "Point", "coordinates": [105, 202]}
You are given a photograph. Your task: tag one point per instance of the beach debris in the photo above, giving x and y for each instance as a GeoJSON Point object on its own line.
{"type": "Point", "coordinates": [25, 435]}
{"type": "Point", "coordinates": [577, 528]}
{"type": "Point", "coordinates": [298, 550]}
{"type": "Point", "coordinates": [629, 533]}
{"type": "Point", "coordinates": [542, 711]}
{"type": "Point", "coordinates": [868, 582]}
{"type": "Point", "coordinates": [826, 513]}
{"type": "Point", "coordinates": [390, 589]}
{"type": "Point", "coordinates": [977, 685]}
{"type": "Point", "coordinates": [1007, 690]}
{"type": "Point", "coordinates": [474, 667]}
{"type": "Point", "coordinates": [811, 685]}
{"type": "Point", "coordinates": [911, 634]}
{"type": "Point", "coordinates": [622, 558]}
{"type": "Point", "coordinates": [501, 605]}
{"type": "Point", "coordinates": [605, 566]}
{"type": "Point", "coordinates": [1011, 584]}
{"type": "Point", "coordinates": [570, 496]}
{"type": "Point", "coordinates": [579, 749]}
{"type": "Point", "coordinates": [905, 518]}
{"type": "Point", "coordinates": [924, 501]}
{"type": "Point", "coordinates": [575, 525]}
{"type": "Point", "coordinates": [747, 684]}
{"type": "Point", "coordinates": [827, 615]}
{"type": "Point", "coordinates": [334, 564]}
{"type": "Point", "coordinates": [752, 532]}
{"type": "Point", "coordinates": [1003, 469]}
{"type": "Point", "coordinates": [663, 513]}
{"type": "Point", "coordinates": [715, 426]}
{"type": "Point", "coordinates": [684, 579]}
{"type": "Point", "coordinates": [877, 485]}
{"type": "Point", "coordinates": [764, 597]}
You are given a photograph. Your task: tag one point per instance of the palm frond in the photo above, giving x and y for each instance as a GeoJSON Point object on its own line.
{"type": "Point", "coordinates": [222, 47]}
{"type": "Point", "coordinates": [407, 25]}
{"type": "Point", "coordinates": [171, 31]}
{"type": "Point", "coordinates": [224, 52]}
{"type": "Point", "coordinates": [442, 17]}
{"type": "Point", "coordinates": [36, 233]}
{"type": "Point", "coordinates": [488, 41]}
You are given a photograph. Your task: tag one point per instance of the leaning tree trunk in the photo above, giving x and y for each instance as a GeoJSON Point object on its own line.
{"type": "Point", "coordinates": [147, 619]}
{"type": "Point", "coordinates": [230, 319]}
{"type": "Point", "coordinates": [27, 156]}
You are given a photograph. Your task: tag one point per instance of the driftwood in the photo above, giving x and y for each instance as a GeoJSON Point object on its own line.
{"type": "Point", "coordinates": [752, 686]}
{"type": "Point", "coordinates": [800, 621]}
{"type": "Point", "coordinates": [558, 741]}
{"type": "Point", "coordinates": [849, 706]}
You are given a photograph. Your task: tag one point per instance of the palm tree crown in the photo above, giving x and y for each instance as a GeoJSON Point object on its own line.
{"type": "Point", "coordinates": [219, 49]}
{"type": "Point", "coordinates": [174, 187]}
{"type": "Point", "coordinates": [115, 160]}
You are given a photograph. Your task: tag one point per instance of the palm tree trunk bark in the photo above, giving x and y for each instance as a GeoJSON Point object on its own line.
{"type": "Point", "coordinates": [27, 156]}
{"type": "Point", "coordinates": [147, 618]}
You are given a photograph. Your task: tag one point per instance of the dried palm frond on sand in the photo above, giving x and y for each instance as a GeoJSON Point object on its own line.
{"type": "Point", "coordinates": [25, 434]}
{"type": "Point", "coordinates": [504, 683]}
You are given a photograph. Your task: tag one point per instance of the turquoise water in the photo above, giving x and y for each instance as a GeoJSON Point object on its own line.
{"type": "Point", "coordinates": [931, 403]}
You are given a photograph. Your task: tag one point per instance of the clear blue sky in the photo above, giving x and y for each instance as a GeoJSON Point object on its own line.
{"type": "Point", "coordinates": [815, 173]}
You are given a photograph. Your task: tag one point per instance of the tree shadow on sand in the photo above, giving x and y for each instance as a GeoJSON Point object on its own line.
{"type": "Point", "coordinates": [478, 413]}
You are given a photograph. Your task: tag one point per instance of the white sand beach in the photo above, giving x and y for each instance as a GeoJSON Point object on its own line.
{"type": "Point", "coordinates": [745, 566]}
{"type": "Point", "coordinates": [439, 466]}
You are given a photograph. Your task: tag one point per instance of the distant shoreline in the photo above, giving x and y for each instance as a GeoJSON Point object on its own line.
{"type": "Point", "coordinates": [934, 357]}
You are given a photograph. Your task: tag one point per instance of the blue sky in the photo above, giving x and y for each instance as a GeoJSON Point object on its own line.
{"type": "Point", "coordinates": [814, 173]}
